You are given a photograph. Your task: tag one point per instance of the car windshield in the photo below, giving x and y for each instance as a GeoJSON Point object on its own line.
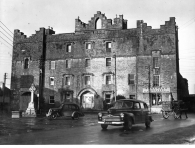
{"type": "Point", "coordinates": [125, 104]}
{"type": "Point", "coordinates": [128, 104]}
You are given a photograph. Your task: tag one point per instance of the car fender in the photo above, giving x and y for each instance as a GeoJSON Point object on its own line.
{"type": "Point", "coordinates": [129, 115]}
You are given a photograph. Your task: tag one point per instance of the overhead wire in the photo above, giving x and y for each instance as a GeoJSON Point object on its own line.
{"type": "Point", "coordinates": [6, 27]}
{"type": "Point", "coordinates": [6, 41]}
{"type": "Point", "coordinates": [6, 36]}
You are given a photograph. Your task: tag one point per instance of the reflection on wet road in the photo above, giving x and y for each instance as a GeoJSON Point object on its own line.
{"type": "Point", "coordinates": [9, 126]}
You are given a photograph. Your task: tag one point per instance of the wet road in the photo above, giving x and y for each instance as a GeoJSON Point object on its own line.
{"type": "Point", "coordinates": [86, 130]}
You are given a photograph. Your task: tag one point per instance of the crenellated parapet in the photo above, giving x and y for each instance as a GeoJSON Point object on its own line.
{"type": "Point", "coordinates": [119, 23]}
{"type": "Point", "coordinates": [169, 27]}
{"type": "Point", "coordinates": [38, 36]}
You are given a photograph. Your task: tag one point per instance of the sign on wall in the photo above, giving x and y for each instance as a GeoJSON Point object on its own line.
{"type": "Point", "coordinates": [157, 90]}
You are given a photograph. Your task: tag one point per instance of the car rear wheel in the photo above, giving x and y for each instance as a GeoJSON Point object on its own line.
{"type": "Point", "coordinates": [104, 126]}
{"type": "Point", "coordinates": [147, 123]}
{"type": "Point", "coordinates": [75, 117]}
{"type": "Point", "coordinates": [128, 124]}
{"type": "Point", "coordinates": [54, 116]}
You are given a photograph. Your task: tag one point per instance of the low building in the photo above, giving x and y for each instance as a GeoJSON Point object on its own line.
{"type": "Point", "coordinates": [98, 61]}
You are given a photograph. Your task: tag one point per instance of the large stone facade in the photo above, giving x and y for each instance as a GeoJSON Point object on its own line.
{"type": "Point", "coordinates": [81, 66]}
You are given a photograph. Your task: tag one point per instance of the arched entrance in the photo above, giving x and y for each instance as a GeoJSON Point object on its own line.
{"type": "Point", "coordinates": [86, 97]}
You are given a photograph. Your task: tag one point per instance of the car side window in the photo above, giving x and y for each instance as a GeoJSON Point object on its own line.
{"type": "Point", "coordinates": [142, 105]}
{"type": "Point", "coordinates": [145, 106]}
{"type": "Point", "coordinates": [73, 107]}
{"type": "Point", "coordinates": [128, 104]}
{"type": "Point", "coordinates": [65, 107]}
{"type": "Point", "coordinates": [136, 105]}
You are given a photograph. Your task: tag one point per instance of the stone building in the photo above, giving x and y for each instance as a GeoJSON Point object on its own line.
{"type": "Point", "coordinates": [101, 59]}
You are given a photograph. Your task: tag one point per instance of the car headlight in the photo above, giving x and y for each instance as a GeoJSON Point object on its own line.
{"type": "Point", "coordinates": [100, 115]}
{"type": "Point", "coordinates": [122, 115]}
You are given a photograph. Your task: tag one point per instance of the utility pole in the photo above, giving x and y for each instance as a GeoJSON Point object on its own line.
{"type": "Point", "coordinates": [115, 76]}
{"type": "Point", "coordinates": [149, 86]}
{"type": "Point", "coordinates": [148, 67]}
{"type": "Point", "coordinates": [4, 84]}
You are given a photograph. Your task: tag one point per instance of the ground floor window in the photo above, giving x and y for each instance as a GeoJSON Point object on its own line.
{"type": "Point", "coordinates": [156, 98]}
{"type": "Point", "coordinates": [132, 97]}
{"type": "Point", "coordinates": [108, 98]}
{"type": "Point", "coordinates": [51, 100]}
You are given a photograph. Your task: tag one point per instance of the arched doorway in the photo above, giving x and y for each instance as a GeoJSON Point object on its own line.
{"type": "Point", "coordinates": [87, 97]}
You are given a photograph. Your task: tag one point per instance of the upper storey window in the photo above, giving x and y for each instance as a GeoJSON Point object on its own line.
{"type": "Point", "coordinates": [68, 48]}
{"type": "Point", "coordinates": [88, 45]}
{"type": "Point", "coordinates": [52, 64]}
{"type": "Point", "coordinates": [26, 62]}
{"type": "Point", "coordinates": [108, 62]}
{"type": "Point", "coordinates": [155, 62]}
{"type": "Point", "coordinates": [108, 46]}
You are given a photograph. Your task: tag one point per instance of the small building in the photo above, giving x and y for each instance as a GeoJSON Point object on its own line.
{"type": "Point", "coordinates": [101, 59]}
{"type": "Point", "coordinates": [5, 98]}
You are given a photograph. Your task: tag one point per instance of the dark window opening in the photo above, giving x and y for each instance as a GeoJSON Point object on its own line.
{"type": "Point", "coordinates": [131, 79]}
{"type": "Point", "coordinates": [108, 61]}
{"type": "Point", "coordinates": [51, 100]}
{"type": "Point", "coordinates": [26, 63]}
{"type": "Point", "coordinates": [108, 46]}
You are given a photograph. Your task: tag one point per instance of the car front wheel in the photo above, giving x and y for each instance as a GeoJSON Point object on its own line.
{"type": "Point", "coordinates": [104, 126]}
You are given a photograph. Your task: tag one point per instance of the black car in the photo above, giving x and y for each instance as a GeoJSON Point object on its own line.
{"type": "Point", "coordinates": [67, 110]}
{"type": "Point", "coordinates": [126, 112]}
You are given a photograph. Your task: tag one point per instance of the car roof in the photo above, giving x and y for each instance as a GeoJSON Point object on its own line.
{"type": "Point", "coordinates": [132, 100]}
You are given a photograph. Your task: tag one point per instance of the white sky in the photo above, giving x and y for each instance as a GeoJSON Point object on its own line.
{"type": "Point", "coordinates": [30, 15]}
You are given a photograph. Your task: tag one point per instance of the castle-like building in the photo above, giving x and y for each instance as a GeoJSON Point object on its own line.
{"type": "Point", "coordinates": [101, 59]}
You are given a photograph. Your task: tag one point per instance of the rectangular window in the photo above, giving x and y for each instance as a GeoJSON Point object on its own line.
{"type": "Point", "coordinates": [87, 80]}
{"type": "Point", "coordinates": [156, 71]}
{"type": "Point", "coordinates": [108, 61]}
{"type": "Point", "coordinates": [52, 65]}
{"type": "Point", "coordinates": [107, 98]}
{"type": "Point", "coordinates": [108, 79]}
{"type": "Point", "coordinates": [51, 100]}
{"type": "Point", "coordinates": [67, 80]}
{"type": "Point", "coordinates": [51, 79]}
{"type": "Point", "coordinates": [68, 48]}
{"type": "Point", "coordinates": [26, 63]}
{"type": "Point", "coordinates": [131, 79]}
{"type": "Point", "coordinates": [68, 64]}
{"type": "Point", "coordinates": [88, 45]}
{"type": "Point", "coordinates": [155, 62]}
{"type": "Point", "coordinates": [156, 80]}
{"type": "Point", "coordinates": [87, 62]}
{"type": "Point", "coordinates": [132, 97]}
{"type": "Point", "coordinates": [108, 46]}
{"type": "Point", "coordinates": [156, 99]}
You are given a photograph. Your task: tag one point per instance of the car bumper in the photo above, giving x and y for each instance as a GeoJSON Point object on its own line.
{"type": "Point", "coordinates": [111, 122]}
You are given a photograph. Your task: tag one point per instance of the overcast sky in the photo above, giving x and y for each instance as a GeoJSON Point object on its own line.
{"type": "Point", "coordinates": [30, 15]}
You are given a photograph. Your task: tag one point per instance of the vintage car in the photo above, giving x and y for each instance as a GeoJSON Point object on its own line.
{"type": "Point", "coordinates": [65, 110]}
{"type": "Point", "coordinates": [126, 112]}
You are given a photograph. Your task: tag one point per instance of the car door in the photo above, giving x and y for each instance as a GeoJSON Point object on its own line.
{"type": "Point", "coordinates": [137, 112]}
{"type": "Point", "coordinates": [67, 110]}
{"type": "Point", "coordinates": [144, 111]}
